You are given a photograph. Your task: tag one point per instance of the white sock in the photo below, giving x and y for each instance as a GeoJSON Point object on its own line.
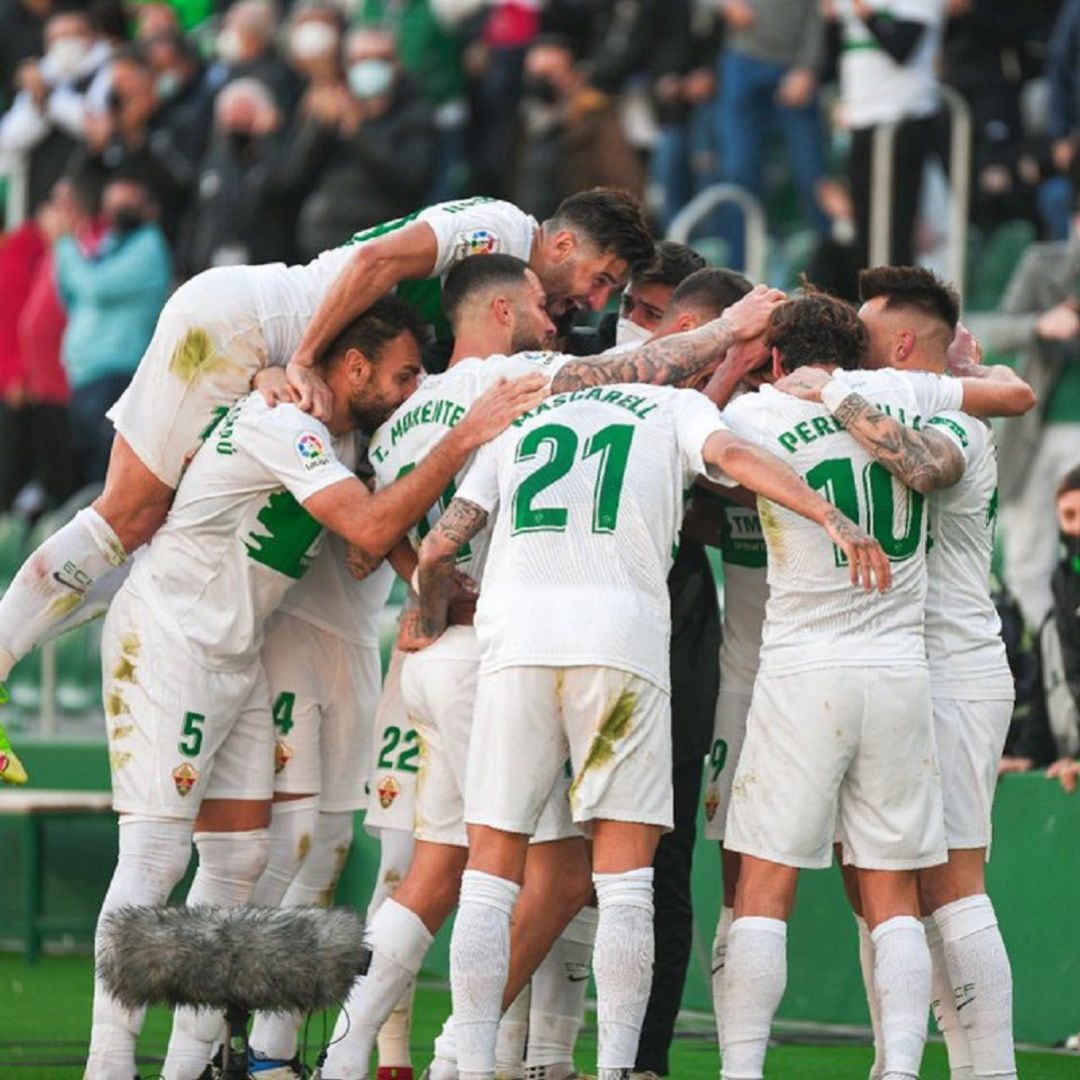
{"type": "Point", "coordinates": [866, 965]}
{"type": "Point", "coordinates": [557, 1008]}
{"type": "Point", "coordinates": [981, 979]}
{"type": "Point", "coordinates": [316, 880]}
{"type": "Point", "coordinates": [943, 1006]}
{"type": "Point", "coordinates": [755, 976]}
{"type": "Point", "coordinates": [902, 980]}
{"type": "Point", "coordinates": [398, 940]}
{"type": "Point", "coordinates": [230, 863]}
{"type": "Point", "coordinates": [154, 854]}
{"type": "Point", "coordinates": [719, 959]}
{"type": "Point", "coordinates": [510, 1039]}
{"type": "Point", "coordinates": [53, 582]}
{"type": "Point", "coordinates": [479, 961]}
{"type": "Point", "coordinates": [444, 1064]}
{"type": "Point", "coordinates": [622, 963]}
{"type": "Point", "coordinates": [292, 829]}
{"type": "Point", "coordinates": [395, 854]}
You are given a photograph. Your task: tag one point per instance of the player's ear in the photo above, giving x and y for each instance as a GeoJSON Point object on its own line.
{"type": "Point", "coordinates": [502, 311]}
{"type": "Point", "coordinates": [358, 367]}
{"type": "Point", "coordinates": [904, 345]}
{"type": "Point", "coordinates": [777, 364]}
{"type": "Point", "coordinates": [562, 245]}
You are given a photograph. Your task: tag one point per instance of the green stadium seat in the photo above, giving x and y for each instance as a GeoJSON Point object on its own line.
{"type": "Point", "coordinates": [992, 260]}
{"type": "Point", "coordinates": [78, 670]}
{"type": "Point", "coordinates": [13, 535]}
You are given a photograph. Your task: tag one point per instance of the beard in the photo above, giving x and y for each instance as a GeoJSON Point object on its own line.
{"type": "Point", "coordinates": [525, 340]}
{"type": "Point", "coordinates": [370, 412]}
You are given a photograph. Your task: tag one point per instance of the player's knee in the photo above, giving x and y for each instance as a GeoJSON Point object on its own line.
{"type": "Point", "coordinates": [155, 849]}
{"type": "Point", "coordinates": [234, 856]}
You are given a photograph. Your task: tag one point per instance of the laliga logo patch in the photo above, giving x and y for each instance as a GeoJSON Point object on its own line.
{"type": "Point", "coordinates": [282, 755]}
{"type": "Point", "coordinates": [712, 803]}
{"type": "Point", "coordinates": [388, 791]}
{"type": "Point", "coordinates": [184, 777]}
{"type": "Point", "coordinates": [310, 450]}
{"type": "Point", "coordinates": [477, 242]}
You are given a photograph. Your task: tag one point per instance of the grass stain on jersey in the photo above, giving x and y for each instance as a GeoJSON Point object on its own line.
{"type": "Point", "coordinates": [118, 759]}
{"type": "Point", "coordinates": [116, 706]}
{"type": "Point", "coordinates": [121, 731]}
{"type": "Point", "coordinates": [64, 605]}
{"type": "Point", "coordinates": [304, 846]}
{"type": "Point", "coordinates": [773, 533]}
{"type": "Point", "coordinates": [124, 671]}
{"type": "Point", "coordinates": [195, 356]}
{"type": "Point", "coordinates": [616, 727]}
{"type": "Point", "coordinates": [130, 645]}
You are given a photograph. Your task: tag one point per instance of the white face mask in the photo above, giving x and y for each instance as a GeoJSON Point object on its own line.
{"type": "Point", "coordinates": [66, 54]}
{"type": "Point", "coordinates": [228, 46]}
{"type": "Point", "coordinates": [312, 39]}
{"type": "Point", "coordinates": [370, 78]}
{"type": "Point", "coordinates": [629, 333]}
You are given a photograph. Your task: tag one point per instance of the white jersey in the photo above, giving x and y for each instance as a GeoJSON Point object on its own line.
{"type": "Point", "coordinates": [963, 631]}
{"type": "Point", "coordinates": [814, 617]}
{"type": "Point", "coordinates": [237, 536]}
{"type": "Point", "coordinates": [286, 297]}
{"type": "Point", "coordinates": [746, 588]}
{"type": "Point", "coordinates": [441, 401]}
{"type": "Point", "coordinates": [589, 489]}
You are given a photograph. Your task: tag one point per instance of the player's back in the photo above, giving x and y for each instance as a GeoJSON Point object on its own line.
{"type": "Point", "coordinates": [590, 494]}
{"type": "Point", "coordinates": [814, 617]}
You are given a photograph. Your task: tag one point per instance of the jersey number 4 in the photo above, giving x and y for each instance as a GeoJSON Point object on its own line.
{"type": "Point", "coordinates": [611, 444]}
{"type": "Point", "coordinates": [876, 510]}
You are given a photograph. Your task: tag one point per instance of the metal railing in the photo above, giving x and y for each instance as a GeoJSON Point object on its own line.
{"type": "Point", "coordinates": [705, 202]}
{"type": "Point", "coordinates": [13, 169]}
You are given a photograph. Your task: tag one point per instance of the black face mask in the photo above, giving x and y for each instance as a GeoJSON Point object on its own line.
{"type": "Point", "coordinates": [239, 141]}
{"type": "Point", "coordinates": [126, 219]}
{"type": "Point", "coordinates": [540, 90]}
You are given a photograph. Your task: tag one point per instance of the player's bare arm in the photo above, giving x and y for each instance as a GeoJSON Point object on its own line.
{"type": "Point", "coordinates": [374, 523]}
{"type": "Point", "coordinates": [994, 390]}
{"type": "Point", "coordinates": [741, 359]}
{"type": "Point", "coordinates": [438, 553]}
{"type": "Point", "coordinates": [924, 460]}
{"type": "Point", "coordinates": [375, 268]}
{"type": "Point", "coordinates": [760, 471]}
{"type": "Point", "coordinates": [679, 357]}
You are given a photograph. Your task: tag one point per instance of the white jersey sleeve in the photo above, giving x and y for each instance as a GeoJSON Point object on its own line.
{"type": "Point", "coordinates": [479, 226]}
{"type": "Point", "coordinates": [971, 435]}
{"type": "Point", "coordinates": [933, 393]}
{"type": "Point", "coordinates": [481, 482]}
{"type": "Point", "coordinates": [297, 449]}
{"type": "Point", "coordinates": [696, 419]}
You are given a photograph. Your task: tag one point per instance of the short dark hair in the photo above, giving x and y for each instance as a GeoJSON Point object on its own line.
{"type": "Point", "coordinates": [816, 328]}
{"type": "Point", "coordinates": [479, 272]}
{"type": "Point", "coordinates": [671, 265]}
{"type": "Point", "coordinates": [911, 288]}
{"type": "Point", "coordinates": [1069, 482]}
{"type": "Point", "coordinates": [376, 328]}
{"type": "Point", "coordinates": [710, 290]}
{"type": "Point", "coordinates": [610, 219]}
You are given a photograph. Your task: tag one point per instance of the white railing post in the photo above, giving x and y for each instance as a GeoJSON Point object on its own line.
{"type": "Point", "coordinates": [702, 204]}
{"type": "Point", "coordinates": [959, 185]}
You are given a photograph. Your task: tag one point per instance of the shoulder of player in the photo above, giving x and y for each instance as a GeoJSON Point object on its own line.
{"type": "Point", "coordinates": [285, 423]}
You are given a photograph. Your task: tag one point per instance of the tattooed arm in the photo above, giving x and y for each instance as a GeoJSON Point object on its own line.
{"type": "Point", "coordinates": [461, 522]}
{"type": "Point", "coordinates": [678, 357]}
{"type": "Point", "coordinates": [924, 460]}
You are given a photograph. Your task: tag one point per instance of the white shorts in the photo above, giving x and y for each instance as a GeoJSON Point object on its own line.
{"type": "Point", "coordinates": [207, 345]}
{"type": "Point", "coordinates": [729, 734]}
{"type": "Point", "coordinates": [323, 693]}
{"type": "Point", "coordinates": [438, 686]}
{"type": "Point", "coordinates": [615, 727]}
{"type": "Point", "coordinates": [178, 732]}
{"type": "Point", "coordinates": [970, 738]}
{"type": "Point", "coordinates": [844, 748]}
{"type": "Point", "coordinates": [395, 759]}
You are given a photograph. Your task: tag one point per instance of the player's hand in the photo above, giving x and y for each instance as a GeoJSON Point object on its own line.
{"type": "Point", "coordinates": [1060, 323]}
{"type": "Point", "coordinates": [747, 318]}
{"type": "Point", "coordinates": [805, 383]}
{"type": "Point", "coordinates": [492, 412]}
{"type": "Point", "coordinates": [410, 637]}
{"type": "Point", "coordinates": [865, 557]}
{"type": "Point", "coordinates": [273, 384]}
{"type": "Point", "coordinates": [964, 352]}
{"type": "Point", "coordinates": [1066, 772]}
{"type": "Point", "coordinates": [313, 395]}
{"type": "Point", "coordinates": [1014, 765]}
{"type": "Point", "coordinates": [359, 563]}
{"type": "Point", "coordinates": [796, 89]}
{"type": "Point", "coordinates": [462, 606]}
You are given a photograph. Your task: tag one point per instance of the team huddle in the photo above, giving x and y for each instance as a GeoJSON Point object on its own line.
{"type": "Point", "coordinates": [281, 455]}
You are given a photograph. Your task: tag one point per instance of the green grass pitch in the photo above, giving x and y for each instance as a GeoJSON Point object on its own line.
{"type": "Point", "coordinates": [45, 1021]}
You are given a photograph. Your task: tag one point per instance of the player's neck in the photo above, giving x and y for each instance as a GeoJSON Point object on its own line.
{"type": "Point", "coordinates": [480, 343]}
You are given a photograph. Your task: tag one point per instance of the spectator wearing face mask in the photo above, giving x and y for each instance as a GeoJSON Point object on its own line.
{"type": "Point", "coordinates": [363, 152]}
{"type": "Point", "coordinates": [242, 211]}
{"type": "Point", "coordinates": [244, 48]}
{"type": "Point", "coordinates": [113, 299]}
{"type": "Point", "coordinates": [573, 139]}
{"type": "Point", "coordinates": [313, 46]}
{"type": "Point", "coordinates": [185, 99]}
{"type": "Point", "coordinates": [47, 117]}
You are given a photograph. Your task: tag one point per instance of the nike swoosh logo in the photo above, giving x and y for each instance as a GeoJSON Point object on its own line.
{"type": "Point", "coordinates": [578, 978]}
{"type": "Point", "coordinates": [964, 1004]}
{"type": "Point", "coordinates": [57, 576]}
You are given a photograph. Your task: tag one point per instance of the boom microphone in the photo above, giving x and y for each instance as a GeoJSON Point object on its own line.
{"type": "Point", "coordinates": [296, 959]}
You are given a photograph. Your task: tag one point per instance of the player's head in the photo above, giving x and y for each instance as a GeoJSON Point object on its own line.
{"type": "Point", "coordinates": [374, 363]}
{"type": "Point", "coordinates": [911, 316]}
{"type": "Point", "coordinates": [646, 296]}
{"type": "Point", "coordinates": [498, 299]}
{"type": "Point", "coordinates": [701, 297]}
{"type": "Point", "coordinates": [815, 329]}
{"type": "Point", "coordinates": [587, 249]}
{"type": "Point", "coordinates": [1068, 508]}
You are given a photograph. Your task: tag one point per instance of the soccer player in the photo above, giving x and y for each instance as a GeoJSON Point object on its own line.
{"type": "Point", "coordinates": [494, 305]}
{"type": "Point", "coordinates": [573, 622]}
{"type": "Point", "coordinates": [912, 320]}
{"type": "Point", "coordinates": [840, 726]}
{"type": "Point", "coordinates": [190, 743]}
{"type": "Point", "coordinates": [227, 323]}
